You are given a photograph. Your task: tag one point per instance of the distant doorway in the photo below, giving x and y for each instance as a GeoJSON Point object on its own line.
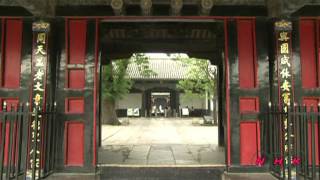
{"type": "Point", "coordinates": [160, 104]}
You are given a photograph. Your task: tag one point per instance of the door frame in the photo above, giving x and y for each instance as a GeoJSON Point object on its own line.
{"type": "Point", "coordinates": [187, 19]}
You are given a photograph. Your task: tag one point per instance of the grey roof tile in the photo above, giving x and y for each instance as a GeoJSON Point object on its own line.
{"type": "Point", "coordinates": [165, 69]}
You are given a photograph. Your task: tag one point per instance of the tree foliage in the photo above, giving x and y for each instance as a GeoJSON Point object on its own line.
{"type": "Point", "coordinates": [116, 83]}
{"type": "Point", "coordinates": [200, 79]}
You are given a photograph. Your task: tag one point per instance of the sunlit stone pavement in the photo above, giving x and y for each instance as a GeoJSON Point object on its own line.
{"type": "Point", "coordinates": [161, 141]}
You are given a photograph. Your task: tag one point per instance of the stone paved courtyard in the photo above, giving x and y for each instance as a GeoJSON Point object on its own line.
{"type": "Point", "coordinates": [161, 141]}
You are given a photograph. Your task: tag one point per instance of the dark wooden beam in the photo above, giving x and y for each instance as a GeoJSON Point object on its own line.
{"type": "Point", "coordinates": [118, 7]}
{"type": "Point", "coordinates": [205, 7]}
{"type": "Point", "coordinates": [176, 6]}
{"type": "Point", "coordinates": [285, 8]}
{"type": "Point", "coordinates": [146, 7]}
{"type": "Point", "coordinates": [45, 8]}
{"type": "Point", "coordinates": [39, 8]}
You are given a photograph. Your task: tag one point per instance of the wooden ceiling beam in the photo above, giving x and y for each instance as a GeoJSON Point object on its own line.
{"type": "Point", "coordinates": [39, 8]}
{"type": "Point", "coordinates": [278, 8]}
{"type": "Point", "coordinates": [46, 8]}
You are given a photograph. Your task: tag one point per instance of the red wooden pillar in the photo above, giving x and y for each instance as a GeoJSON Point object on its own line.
{"type": "Point", "coordinates": [11, 31]}
{"type": "Point", "coordinates": [76, 34]}
{"type": "Point", "coordinates": [247, 59]}
{"type": "Point", "coordinates": [310, 62]}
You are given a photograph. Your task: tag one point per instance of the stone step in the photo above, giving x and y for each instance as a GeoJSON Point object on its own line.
{"type": "Point", "coordinates": [248, 176]}
{"type": "Point", "coordinates": [161, 173]}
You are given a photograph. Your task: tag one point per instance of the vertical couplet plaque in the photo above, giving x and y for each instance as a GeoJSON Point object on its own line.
{"type": "Point", "coordinates": [39, 70]}
{"type": "Point", "coordinates": [283, 30]}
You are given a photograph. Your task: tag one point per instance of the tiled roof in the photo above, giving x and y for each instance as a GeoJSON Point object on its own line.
{"type": "Point", "coordinates": [165, 69]}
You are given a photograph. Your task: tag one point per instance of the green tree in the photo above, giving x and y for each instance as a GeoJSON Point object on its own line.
{"type": "Point", "coordinates": [116, 84]}
{"type": "Point", "coordinates": [201, 78]}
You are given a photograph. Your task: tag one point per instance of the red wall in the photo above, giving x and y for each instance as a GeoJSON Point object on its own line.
{"type": "Point", "coordinates": [76, 43]}
{"type": "Point", "coordinates": [11, 46]}
{"type": "Point", "coordinates": [309, 58]}
{"type": "Point", "coordinates": [249, 128]}
{"type": "Point", "coordinates": [246, 53]}
{"type": "Point", "coordinates": [11, 63]}
{"type": "Point", "coordinates": [308, 44]}
{"type": "Point", "coordinates": [249, 132]}
{"type": "Point", "coordinates": [11, 102]}
{"type": "Point", "coordinates": [249, 104]}
{"type": "Point", "coordinates": [76, 35]}
{"type": "Point", "coordinates": [74, 133]}
{"type": "Point", "coordinates": [249, 138]}
{"type": "Point", "coordinates": [312, 102]}
{"type": "Point", "coordinates": [74, 105]}
{"type": "Point", "coordinates": [76, 79]}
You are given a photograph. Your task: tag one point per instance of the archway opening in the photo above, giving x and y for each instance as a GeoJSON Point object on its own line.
{"type": "Point", "coordinates": [160, 124]}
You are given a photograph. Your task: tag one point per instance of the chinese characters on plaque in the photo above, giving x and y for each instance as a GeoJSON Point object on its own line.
{"type": "Point", "coordinates": [283, 34]}
{"type": "Point", "coordinates": [39, 67]}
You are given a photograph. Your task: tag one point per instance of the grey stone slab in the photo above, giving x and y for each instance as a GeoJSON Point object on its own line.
{"type": "Point", "coordinates": [209, 156]}
{"type": "Point", "coordinates": [161, 162]}
{"type": "Point", "coordinates": [187, 162]}
{"type": "Point", "coordinates": [114, 154]}
{"type": "Point", "coordinates": [161, 158]}
{"type": "Point", "coordinates": [110, 157]}
{"type": "Point", "coordinates": [183, 156]}
{"type": "Point", "coordinates": [135, 161]}
{"type": "Point", "coordinates": [113, 161]}
{"type": "Point", "coordinates": [155, 130]}
{"type": "Point", "coordinates": [162, 173]}
{"type": "Point", "coordinates": [142, 158]}
{"type": "Point", "coordinates": [179, 147]}
{"type": "Point", "coordinates": [142, 148]}
{"type": "Point", "coordinates": [170, 140]}
{"type": "Point", "coordinates": [137, 156]}
{"type": "Point", "coordinates": [75, 176]}
{"type": "Point", "coordinates": [139, 152]}
{"type": "Point", "coordinates": [160, 155]}
{"type": "Point", "coordinates": [248, 176]}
